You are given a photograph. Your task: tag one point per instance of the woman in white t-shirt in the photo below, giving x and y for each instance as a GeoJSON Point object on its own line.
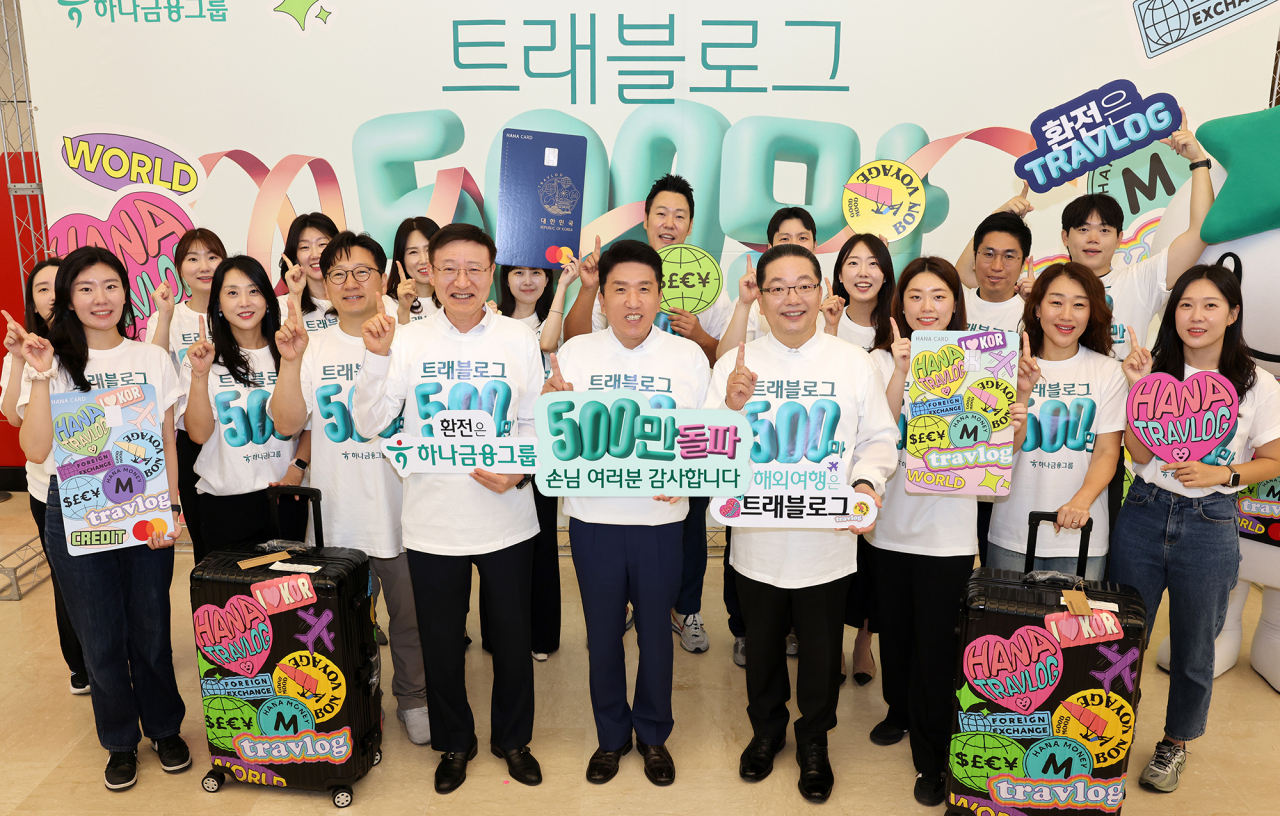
{"type": "Point", "coordinates": [39, 301]}
{"type": "Point", "coordinates": [925, 547]}
{"type": "Point", "coordinates": [410, 279]}
{"type": "Point", "coordinates": [1178, 527]}
{"type": "Point", "coordinates": [1070, 444]}
{"type": "Point", "coordinates": [857, 309]}
{"type": "Point", "coordinates": [228, 377]}
{"type": "Point", "coordinates": [118, 599]}
{"type": "Point", "coordinates": [174, 327]}
{"type": "Point", "coordinates": [527, 294]}
{"type": "Point", "coordinates": [308, 235]}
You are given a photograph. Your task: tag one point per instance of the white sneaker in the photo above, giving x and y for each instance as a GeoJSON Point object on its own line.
{"type": "Point", "coordinates": [1165, 768]}
{"type": "Point", "coordinates": [417, 723]}
{"type": "Point", "coordinates": [740, 651]}
{"type": "Point", "coordinates": [693, 637]}
{"type": "Point", "coordinates": [541, 657]}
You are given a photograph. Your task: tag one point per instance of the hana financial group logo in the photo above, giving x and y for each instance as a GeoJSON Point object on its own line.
{"type": "Point", "coordinates": [1164, 25]}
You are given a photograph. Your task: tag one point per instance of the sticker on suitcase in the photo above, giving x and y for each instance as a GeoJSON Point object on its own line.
{"type": "Point", "coordinates": [313, 679]}
{"type": "Point", "coordinates": [979, 806]}
{"type": "Point", "coordinates": [306, 746]}
{"type": "Point", "coordinates": [1081, 630]}
{"type": "Point", "coordinates": [246, 688]}
{"type": "Point", "coordinates": [978, 756]}
{"type": "Point", "coordinates": [249, 772]}
{"type": "Point", "coordinates": [1016, 726]}
{"type": "Point", "coordinates": [237, 635]}
{"type": "Point", "coordinates": [1057, 758]}
{"type": "Point", "coordinates": [1078, 792]}
{"type": "Point", "coordinates": [1017, 673]}
{"type": "Point", "coordinates": [1102, 722]}
{"type": "Point", "coordinates": [227, 717]}
{"type": "Point", "coordinates": [284, 593]}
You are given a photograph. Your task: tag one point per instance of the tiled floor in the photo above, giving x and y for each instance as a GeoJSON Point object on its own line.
{"type": "Point", "coordinates": [52, 762]}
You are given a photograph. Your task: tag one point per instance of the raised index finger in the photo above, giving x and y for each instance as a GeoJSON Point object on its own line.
{"type": "Point", "coordinates": [555, 367]}
{"type": "Point", "coordinates": [893, 324]}
{"type": "Point", "coordinates": [1026, 345]}
{"type": "Point", "coordinates": [202, 327]}
{"type": "Point", "coordinates": [1026, 188]}
{"type": "Point", "coordinates": [742, 354]}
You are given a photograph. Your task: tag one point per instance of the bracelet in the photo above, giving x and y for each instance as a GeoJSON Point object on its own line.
{"type": "Point", "coordinates": [1201, 163]}
{"type": "Point", "coordinates": [30, 375]}
{"type": "Point", "coordinates": [554, 311]}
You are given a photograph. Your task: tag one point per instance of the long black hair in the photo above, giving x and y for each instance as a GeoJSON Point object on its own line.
{"type": "Point", "coordinates": [884, 298]}
{"type": "Point", "coordinates": [35, 324]}
{"type": "Point", "coordinates": [507, 298]}
{"type": "Point", "coordinates": [315, 220]}
{"type": "Point", "coordinates": [66, 332]}
{"type": "Point", "coordinates": [1234, 361]}
{"type": "Point", "coordinates": [407, 227]}
{"type": "Point", "coordinates": [225, 348]}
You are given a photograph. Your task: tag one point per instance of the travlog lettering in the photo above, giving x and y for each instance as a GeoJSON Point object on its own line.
{"type": "Point", "coordinates": [1077, 792]}
{"type": "Point", "coordinates": [976, 456]}
{"type": "Point", "coordinates": [155, 503]}
{"type": "Point", "coordinates": [1211, 426]}
{"type": "Point", "coordinates": [305, 746]}
{"type": "Point", "coordinates": [1093, 147]}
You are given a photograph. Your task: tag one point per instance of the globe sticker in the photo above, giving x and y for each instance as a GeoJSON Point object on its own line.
{"type": "Point", "coordinates": [883, 197]}
{"type": "Point", "coordinates": [691, 278]}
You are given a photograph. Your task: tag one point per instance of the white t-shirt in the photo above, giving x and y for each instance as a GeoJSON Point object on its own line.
{"type": "Point", "coordinates": [1136, 293]}
{"type": "Point", "coordinates": [130, 363]}
{"type": "Point", "coordinates": [1257, 424]}
{"type": "Point", "coordinates": [534, 323]}
{"type": "Point", "coordinates": [864, 337]}
{"type": "Point", "coordinates": [319, 319]}
{"type": "Point", "coordinates": [37, 479]}
{"type": "Point", "coordinates": [429, 308]}
{"type": "Point", "coordinates": [497, 366]}
{"type": "Point", "coordinates": [715, 319]}
{"type": "Point", "coordinates": [983, 315]}
{"type": "Point", "coordinates": [920, 524]}
{"type": "Point", "coordinates": [184, 329]}
{"type": "Point", "coordinates": [245, 453]}
{"type": "Point", "coordinates": [824, 370]}
{"type": "Point", "coordinates": [1074, 401]}
{"type": "Point", "coordinates": [672, 370]}
{"type": "Point", "coordinates": [361, 491]}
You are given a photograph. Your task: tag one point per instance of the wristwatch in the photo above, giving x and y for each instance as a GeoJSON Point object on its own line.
{"type": "Point", "coordinates": [1201, 163]}
{"type": "Point", "coordinates": [176, 509]}
{"type": "Point", "coordinates": [1234, 479]}
{"type": "Point", "coordinates": [865, 482]}
{"type": "Point", "coordinates": [300, 465]}
{"type": "Point", "coordinates": [528, 477]}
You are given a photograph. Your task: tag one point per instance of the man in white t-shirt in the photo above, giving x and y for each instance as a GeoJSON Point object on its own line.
{"type": "Point", "coordinates": [453, 523]}
{"type": "Point", "coordinates": [668, 218]}
{"type": "Point", "coordinates": [800, 577]}
{"type": "Point", "coordinates": [361, 490]}
{"type": "Point", "coordinates": [630, 549]}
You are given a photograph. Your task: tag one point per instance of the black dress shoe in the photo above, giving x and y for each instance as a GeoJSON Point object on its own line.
{"type": "Point", "coordinates": [658, 765]}
{"type": "Point", "coordinates": [931, 791]}
{"type": "Point", "coordinates": [816, 778]}
{"type": "Point", "coordinates": [521, 766]}
{"type": "Point", "coordinates": [886, 733]}
{"type": "Point", "coordinates": [757, 757]}
{"type": "Point", "coordinates": [604, 764]}
{"type": "Point", "coordinates": [452, 770]}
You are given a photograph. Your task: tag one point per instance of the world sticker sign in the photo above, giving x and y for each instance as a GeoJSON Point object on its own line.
{"type": "Point", "coordinates": [691, 278]}
{"type": "Point", "coordinates": [1093, 130]}
{"type": "Point", "coordinates": [955, 425]}
{"type": "Point", "coordinates": [109, 452]}
{"type": "Point", "coordinates": [622, 443]}
{"type": "Point", "coordinates": [1184, 420]}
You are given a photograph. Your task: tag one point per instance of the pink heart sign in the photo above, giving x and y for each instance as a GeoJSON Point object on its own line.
{"type": "Point", "coordinates": [1018, 673]}
{"type": "Point", "coordinates": [1183, 420]}
{"type": "Point", "coordinates": [236, 636]}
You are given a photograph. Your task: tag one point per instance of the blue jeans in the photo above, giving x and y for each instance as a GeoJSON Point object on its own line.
{"type": "Point", "coordinates": [1000, 558]}
{"type": "Point", "coordinates": [1191, 547]}
{"type": "Point", "coordinates": [119, 605]}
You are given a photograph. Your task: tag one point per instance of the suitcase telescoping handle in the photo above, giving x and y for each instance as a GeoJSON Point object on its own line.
{"type": "Point", "coordinates": [1034, 520]}
{"type": "Point", "coordinates": [310, 493]}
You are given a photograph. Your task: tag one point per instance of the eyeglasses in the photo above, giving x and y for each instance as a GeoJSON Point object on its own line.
{"type": "Point", "coordinates": [780, 291]}
{"type": "Point", "coordinates": [1010, 256]}
{"type": "Point", "coordinates": [448, 273]}
{"type": "Point", "coordinates": [339, 276]}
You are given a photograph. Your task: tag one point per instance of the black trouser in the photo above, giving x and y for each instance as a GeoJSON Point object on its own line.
{"type": "Point", "coordinates": [694, 549]}
{"type": "Point", "coordinates": [442, 595]}
{"type": "Point", "coordinates": [242, 521]}
{"type": "Point", "coordinates": [187, 452]}
{"type": "Point", "coordinates": [544, 598]}
{"type": "Point", "coordinates": [917, 609]}
{"type": "Point", "coordinates": [817, 615]}
{"type": "Point", "coordinates": [71, 651]}
{"type": "Point", "coordinates": [984, 527]}
{"type": "Point", "coordinates": [731, 603]}
{"type": "Point", "coordinates": [860, 608]}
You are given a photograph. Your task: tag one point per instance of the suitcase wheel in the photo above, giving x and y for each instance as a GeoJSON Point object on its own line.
{"type": "Point", "coordinates": [377, 757]}
{"type": "Point", "coordinates": [212, 781]}
{"type": "Point", "coordinates": [342, 797]}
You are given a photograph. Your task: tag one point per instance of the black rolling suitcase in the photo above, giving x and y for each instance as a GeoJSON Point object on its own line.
{"type": "Point", "coordinates": [288, 666]}
{"type": "Point", "coordinates": [1046, 699]}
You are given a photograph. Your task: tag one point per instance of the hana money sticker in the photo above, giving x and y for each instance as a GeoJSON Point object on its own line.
{"type": "Point", "coordinates": [1018, 673]}
{"type": "Point", "coordinates": [883, 197]}
{"type": "Point", "coordinates": [1102, 722]}
{"type": "Point", "coordinates": [1183, 420]}
{"type": "Point", "coordinates": [313, 679]}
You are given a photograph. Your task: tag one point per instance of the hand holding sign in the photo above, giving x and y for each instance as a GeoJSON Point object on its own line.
{"type": "Point", "coordinates": [832, 306]}
{"type": "Point", "coordinates": [556, 381]}
{"type": "Point", "coordinates": [1184, 421]}
{"type": "Point", "coordinates": [379, 331]}
{"type": "Point", "coordinates": [742, 382]}
{"type": "Point", "coordinates": [865, 490]}
{"type": "Point", "coordinates": [684, 323]}
{"type": "Point", "coordinates": [291, 338]}
{"type": "Point", "coordinates": [1138, 364]}
{"type": "Point", "coordinates": [1198, 474]}
{"type": "Point", "coordinates": [200, 354]}
{"type": "Point", "coordinates": [901, 348]}
{"type": "Point", "coordinates": [1028, 370]}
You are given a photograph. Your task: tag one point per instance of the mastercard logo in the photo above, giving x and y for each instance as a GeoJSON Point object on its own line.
{"type": "Point", "coordinates": [145, 528]}
{"type": "Point", "coordinates": [559, 255]}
